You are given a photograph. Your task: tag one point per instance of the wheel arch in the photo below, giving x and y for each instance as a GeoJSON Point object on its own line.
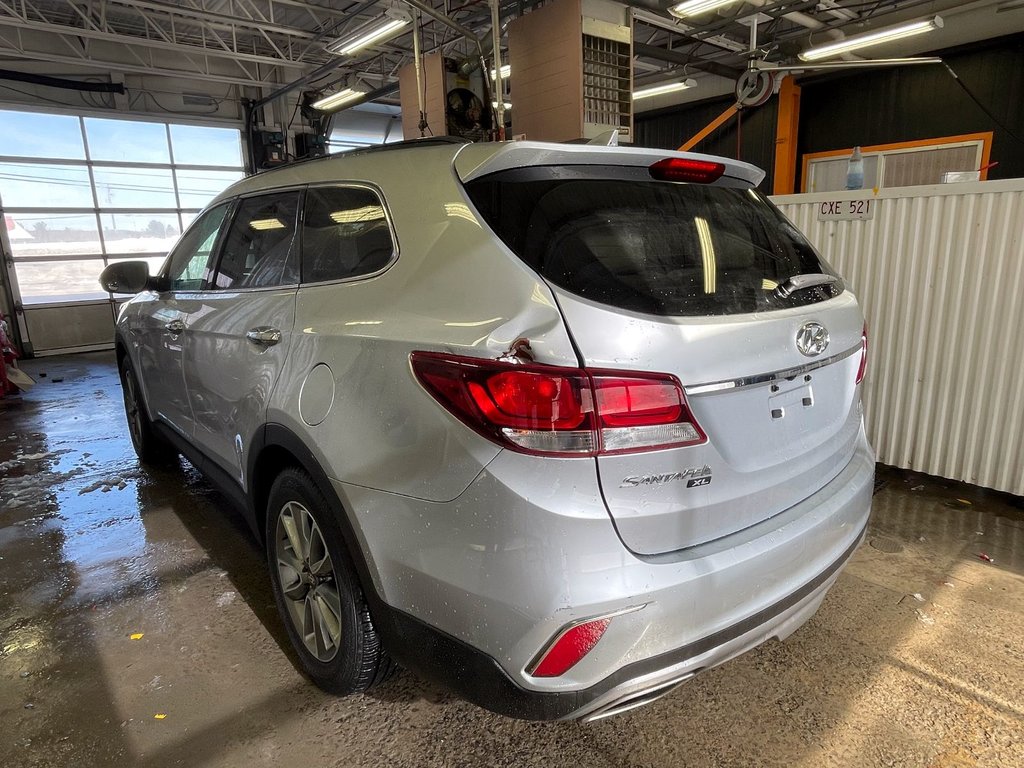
{"type": "Point", "coordinates": [122, 353]}
{"type": "Point", "coordinates": [277, 448]}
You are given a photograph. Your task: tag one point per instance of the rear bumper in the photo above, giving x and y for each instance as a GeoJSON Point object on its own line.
{"type": "Point", "coordinates": [479, 678]}
{"type": "Point", "coordinates": [482, 583]}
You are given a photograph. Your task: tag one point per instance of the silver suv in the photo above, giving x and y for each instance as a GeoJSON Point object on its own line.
{"type": "Point", "coordinates": [558, 426]}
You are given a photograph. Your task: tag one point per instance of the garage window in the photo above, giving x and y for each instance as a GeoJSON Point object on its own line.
{"type": "Point", "coordinates": [81, 192]}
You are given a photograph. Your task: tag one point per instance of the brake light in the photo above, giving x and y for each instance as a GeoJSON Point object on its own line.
{"type": "Point", "coordinates": [568, 648]}
{"type": "Point", "coordinates": [687, 169]}
{"type": "Point", "coordinates": [547, 410]}
{"type": "Point", "coordinates": [863, 354]}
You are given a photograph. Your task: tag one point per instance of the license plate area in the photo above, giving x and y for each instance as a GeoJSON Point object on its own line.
{"type": "Point", "coordinates": [790, 399]}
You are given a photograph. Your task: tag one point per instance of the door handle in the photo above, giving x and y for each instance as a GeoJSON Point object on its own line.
{"type": "Point", "coordinates": [263, 336]}
{"type": "Point", "coordinates": [175, 327]}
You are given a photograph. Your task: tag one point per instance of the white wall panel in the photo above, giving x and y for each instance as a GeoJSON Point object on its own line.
{"type": "Point", "coordinates": [939, 271]}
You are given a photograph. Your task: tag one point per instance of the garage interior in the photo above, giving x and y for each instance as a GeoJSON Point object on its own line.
{"type": "Point", "coordinates": [137, 622]}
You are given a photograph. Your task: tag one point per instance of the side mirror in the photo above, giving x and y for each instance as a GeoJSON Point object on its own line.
{"type": "Point", "coordinates": [126, 277]}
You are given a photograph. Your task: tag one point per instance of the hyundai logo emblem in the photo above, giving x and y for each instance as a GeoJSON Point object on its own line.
{"type": "Point", "coordinates": [812, 339]}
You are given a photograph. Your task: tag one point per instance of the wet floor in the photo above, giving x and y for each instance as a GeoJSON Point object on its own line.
{"type": "Point", "coordinates": [137, 628]}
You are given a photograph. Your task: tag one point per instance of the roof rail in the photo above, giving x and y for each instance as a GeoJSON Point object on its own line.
{"type": "Point", "coordinates": [432, 141]}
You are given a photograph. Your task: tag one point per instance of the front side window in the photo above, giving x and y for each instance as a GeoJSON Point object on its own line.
{"type": "Point", "coordinates": [187, 265]}
{"type": "Point", "coordinates": [259, 250]}
{"type": "Point", "coordinates": [345, 234]}
{"type": "Point", "coordinates": [654, 247]}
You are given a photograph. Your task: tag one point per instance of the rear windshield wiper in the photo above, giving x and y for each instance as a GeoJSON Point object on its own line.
{"type": "Point", "coordinates": [791, 285]}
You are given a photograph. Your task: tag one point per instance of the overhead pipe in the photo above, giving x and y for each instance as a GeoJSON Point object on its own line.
{"type": "Point", "coordinates": [797, 17]}
{"type": "Point", "coordinates": [811, 23]}
{"type": "Point", "coordinates": [448, 22]}
{"type": "Point", "coordinates": [479, 43]}
{"type": "Point", "coordinates": [417, 58]}
{"type": "Point", "coordinates": [675, 57]}
{"type": "Point", "coordinates": [764, 66]}
{"type": "Point", "coordinates": [499, 91]}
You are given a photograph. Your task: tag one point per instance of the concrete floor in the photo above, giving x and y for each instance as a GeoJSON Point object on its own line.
{"type": "Point", "coordinates": [915, 658]}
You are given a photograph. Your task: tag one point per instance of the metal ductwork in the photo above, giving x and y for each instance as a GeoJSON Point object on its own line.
{"type": "Point", "coordinates": [675, 57]}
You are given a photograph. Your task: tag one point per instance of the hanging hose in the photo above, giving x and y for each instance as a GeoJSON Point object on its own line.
{"type": "Point", "coordinates": [981, 106]}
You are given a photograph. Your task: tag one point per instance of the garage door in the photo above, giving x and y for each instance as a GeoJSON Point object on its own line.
{"type": "Point", "coordinates": [79, 192]}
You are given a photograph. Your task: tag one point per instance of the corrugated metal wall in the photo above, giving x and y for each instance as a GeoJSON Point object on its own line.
{"type": "Point", "coordinates": [939, 271]}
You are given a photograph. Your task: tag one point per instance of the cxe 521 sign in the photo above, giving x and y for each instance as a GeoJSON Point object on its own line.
{"type": "Point", "coordinates": [846, 210]}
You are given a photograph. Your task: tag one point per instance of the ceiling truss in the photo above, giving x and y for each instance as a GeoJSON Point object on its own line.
{"type": "Point", "coordinates": [269, 42]}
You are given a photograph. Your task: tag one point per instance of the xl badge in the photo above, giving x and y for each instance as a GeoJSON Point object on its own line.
{"type": "Point", "coordinates": [812, 339]}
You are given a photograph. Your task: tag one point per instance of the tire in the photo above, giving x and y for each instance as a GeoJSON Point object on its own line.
{"type": "Point", "coordinates": [318, 592]}
{"type": "Point", "coordinates": [150, 447]}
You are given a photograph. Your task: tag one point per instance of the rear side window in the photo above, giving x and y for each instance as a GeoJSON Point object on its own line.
{"type": "Point", "coordinates": [654, 247]}
{"type": "Point", "coordinates": [345, 234]}
{"type": "Point", "coordinates": [259, 250]}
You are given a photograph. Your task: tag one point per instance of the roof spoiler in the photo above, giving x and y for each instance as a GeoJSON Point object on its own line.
{"type": "Point", "coordinates": [479, 160]}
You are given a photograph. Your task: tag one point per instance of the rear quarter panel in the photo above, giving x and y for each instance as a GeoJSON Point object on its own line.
{"type": "Point", "coordinates": [452, 288]}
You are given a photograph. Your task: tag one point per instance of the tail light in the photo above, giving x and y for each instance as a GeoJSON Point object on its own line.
{"type": "Point", "coordinates": [687, 169]}
{"type": "Point", "coordinates": [548, 410]}
{"type": "Point", "coordinates": [863, 354]}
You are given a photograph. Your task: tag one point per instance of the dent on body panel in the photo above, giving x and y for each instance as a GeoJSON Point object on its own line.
{"type": "Point", "coordinates": [465, 288]}
{"type": "Point", "coordinates": [453, 288]}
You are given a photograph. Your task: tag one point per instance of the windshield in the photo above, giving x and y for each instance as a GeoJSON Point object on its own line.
{"type": "Point", "coordinates": [654, 247]}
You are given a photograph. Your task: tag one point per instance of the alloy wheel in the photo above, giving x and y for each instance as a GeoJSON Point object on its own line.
{"type": "Point", "coordinates": [308, 581]}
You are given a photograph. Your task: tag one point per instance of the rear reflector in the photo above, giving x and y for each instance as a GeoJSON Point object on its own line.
{"type": "Point", "coordinates": [863, 354]}
{"type": "Point", "coordinates": [548, 410]}
{"type": "Point", "coordinates": [569, 648]}
{"type": "Point", "coordinates": [685, 169]}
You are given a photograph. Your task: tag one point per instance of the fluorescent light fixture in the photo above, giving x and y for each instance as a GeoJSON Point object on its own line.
{"type": "Point", "coordinates": [337, 99]}
{"type": "Point", "coordinates": [506, 104]}
{"type": "Point", "coordinates": [378, 30]}
{"type": "Point", "coordinates": [506, 70]}
{"type": "Point", "coordinates": [264, 224]}
{"type": "Point", "coordinates": [355, 215]}
{"type": "Point", "coordinates": [871, 38]}
{"type": "Point", "coordinates": [695, 7]}
{"type": "Point", "coordinates": [658, 90]}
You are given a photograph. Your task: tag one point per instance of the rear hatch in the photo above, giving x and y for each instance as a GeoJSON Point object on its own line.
{"type": "Point", "coordinates": [681, 279]}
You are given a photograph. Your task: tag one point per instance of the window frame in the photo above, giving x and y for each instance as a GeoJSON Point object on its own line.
{"type": "Point", "coordinates": [395, 246]}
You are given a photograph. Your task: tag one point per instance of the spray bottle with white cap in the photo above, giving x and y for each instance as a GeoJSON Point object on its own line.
{"type": "Point", "coordinates": [855, 170]}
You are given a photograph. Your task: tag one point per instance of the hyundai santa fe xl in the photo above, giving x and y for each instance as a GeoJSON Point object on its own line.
{"type": "Point", "coordinates": [558, 426]}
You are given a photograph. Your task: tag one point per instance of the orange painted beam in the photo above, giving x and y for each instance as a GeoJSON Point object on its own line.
{"type": "Point", "coordinates": [786, 132]}
{"type": "Point", "coordinates": [710, 128]}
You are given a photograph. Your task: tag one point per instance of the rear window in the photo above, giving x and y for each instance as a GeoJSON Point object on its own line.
{"type": "Point", "coordinates": [662, 248]}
